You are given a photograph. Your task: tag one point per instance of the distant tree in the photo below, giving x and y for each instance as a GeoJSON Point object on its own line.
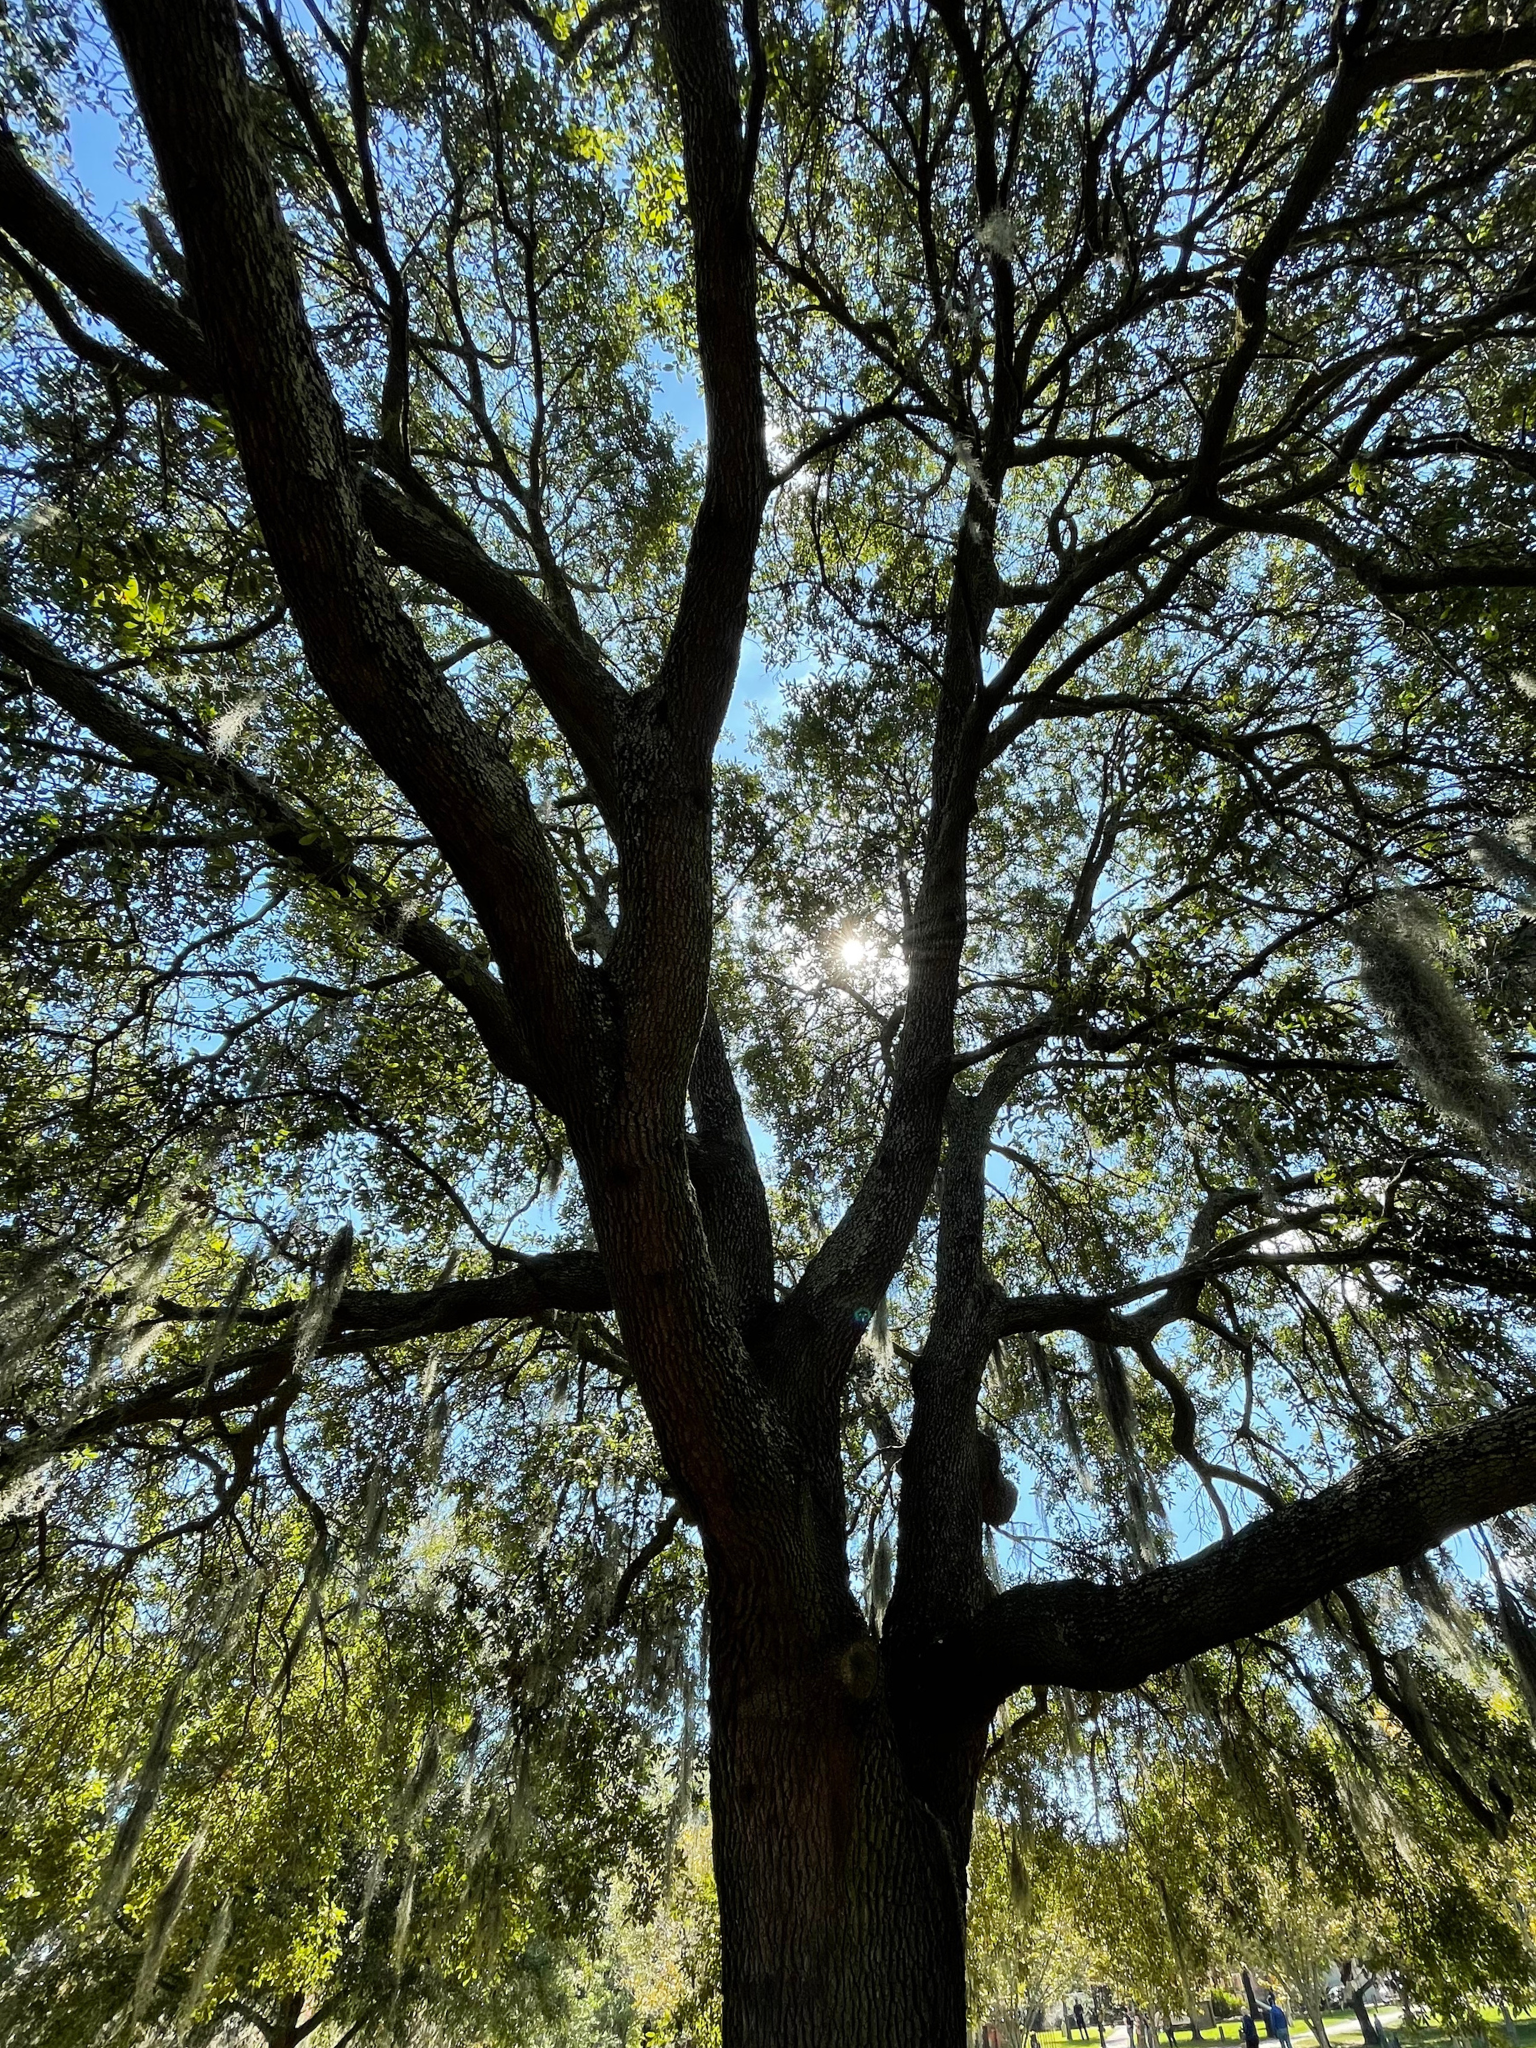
{"type": "Point", "coordinates": [1309, 1842]}
{"type": "Point", "coordinates": [1119, 432]}
{"type": "Point", "coordinates": [1026, 1949]}
{"type": "Point", "coordinates": [664, 1960]}
{"type": "Point", "coordinates": [224, 1797]}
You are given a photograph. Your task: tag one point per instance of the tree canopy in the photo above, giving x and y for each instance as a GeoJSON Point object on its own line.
{"type": "Point", "coordinates": [1052, 1158]}
{"type": "Point", "coordinates": [1327, 1854]}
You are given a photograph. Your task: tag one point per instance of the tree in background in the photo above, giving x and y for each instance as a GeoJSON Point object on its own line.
{"type": "Point", "coordinates": [1309, 1843]}
{"type": "Point", "coordinates": [1025, 1946]}
{"type": "Point", "coordinates": [1118, 420]}
{"type": "Point", "coordinates": [361, 1790]}
{"type": "Point", "coordinates": [666, 1960]}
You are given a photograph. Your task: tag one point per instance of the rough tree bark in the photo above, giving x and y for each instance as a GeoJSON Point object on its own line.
{"type": "Point", "coordinates": [844, 1762]}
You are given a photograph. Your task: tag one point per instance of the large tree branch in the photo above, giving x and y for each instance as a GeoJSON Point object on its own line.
{"type": "Point", "coordinates": [699, 667]}
{"type": "Point", "coordinates": [50, 229]}
{"type": "Point", "coordinates": [1382, 579]}
{"type": "Point", "coordinates": [659, 961]}
{"type": "Point", "coordinates": [728, 1184]}
{"type": "Point", "coordinates": [103, 354]}
{"type": "Point", "coordinates": [939, 1562]}
{"type": "Point", "coordinates": [857, 1260]}
{"type": "Point", "coordinates": [364, 1319]}
{"type": "Point", "coordinates": [1421, 60]}
{"type": "Point", "coordinates": [295, 836]}
{"type": "Point", "coordinates": [854, 1265]}
{"type": "Point", "coordinates": [1393, 1507]}
{"type": "Point", "coordinates": [573, 683]}
{"type": "Point", "coordinates": [575, 687]}
{"type": "Point", "coordinates": [546, 1283]}
{"type": "Point", "coordinates": [189, 77]}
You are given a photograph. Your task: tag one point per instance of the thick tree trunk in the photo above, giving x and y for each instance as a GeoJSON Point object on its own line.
{"type": "Point", "coordinates": [842, 1913]}
{"type": "Point", "coordinates": [842, 1891]}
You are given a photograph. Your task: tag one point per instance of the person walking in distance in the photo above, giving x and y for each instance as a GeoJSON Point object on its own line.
{"type": "Point", "coordinates": [1250, 2030]}
{"type": "Point", "coordinates": [1077, 2014]}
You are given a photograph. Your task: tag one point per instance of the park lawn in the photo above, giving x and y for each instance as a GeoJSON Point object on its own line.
{"type": "Point", "coordinates": [1343, 2032]}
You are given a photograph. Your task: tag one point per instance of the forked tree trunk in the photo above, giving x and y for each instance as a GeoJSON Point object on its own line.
{"type": "Point", "coordinates": [1355, 1995]}
{"type": "Point", "coordinates": [842, 1916]}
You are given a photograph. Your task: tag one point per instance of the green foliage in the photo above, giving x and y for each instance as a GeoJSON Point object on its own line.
{"type": "Point", "coordinates": [358, 1722]}
{"type": "Point", "coordinates": [665, 1957]}
{"type": "Point", "coordinates": [1185, 1835]}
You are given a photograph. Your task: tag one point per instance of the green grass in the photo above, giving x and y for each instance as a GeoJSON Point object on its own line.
{"type": "Point", "coordinates": [1343, 2032]}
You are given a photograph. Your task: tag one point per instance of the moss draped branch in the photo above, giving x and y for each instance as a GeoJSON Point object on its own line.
{"type": "Point", "coordinates": [1390, 1509]}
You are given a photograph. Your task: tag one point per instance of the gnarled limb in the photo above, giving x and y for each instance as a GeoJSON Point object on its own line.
{"type": "Point", "coordinates": [1394, 1506]}
{"type": "Point", "coordinates": [543, 1284]}
{"type": "Point", "coordinates": [547, 1285]}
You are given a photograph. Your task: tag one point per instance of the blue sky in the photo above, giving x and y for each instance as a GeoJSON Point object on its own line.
{"type": "Point", "coordinates": [94, 137]}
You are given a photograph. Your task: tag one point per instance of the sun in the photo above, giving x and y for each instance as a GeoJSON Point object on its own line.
{"type": "Point", "coordinates": [853, 951]}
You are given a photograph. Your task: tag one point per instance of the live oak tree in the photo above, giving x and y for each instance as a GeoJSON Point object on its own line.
{"type": "Point", "coordinates": [1119, 428]}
